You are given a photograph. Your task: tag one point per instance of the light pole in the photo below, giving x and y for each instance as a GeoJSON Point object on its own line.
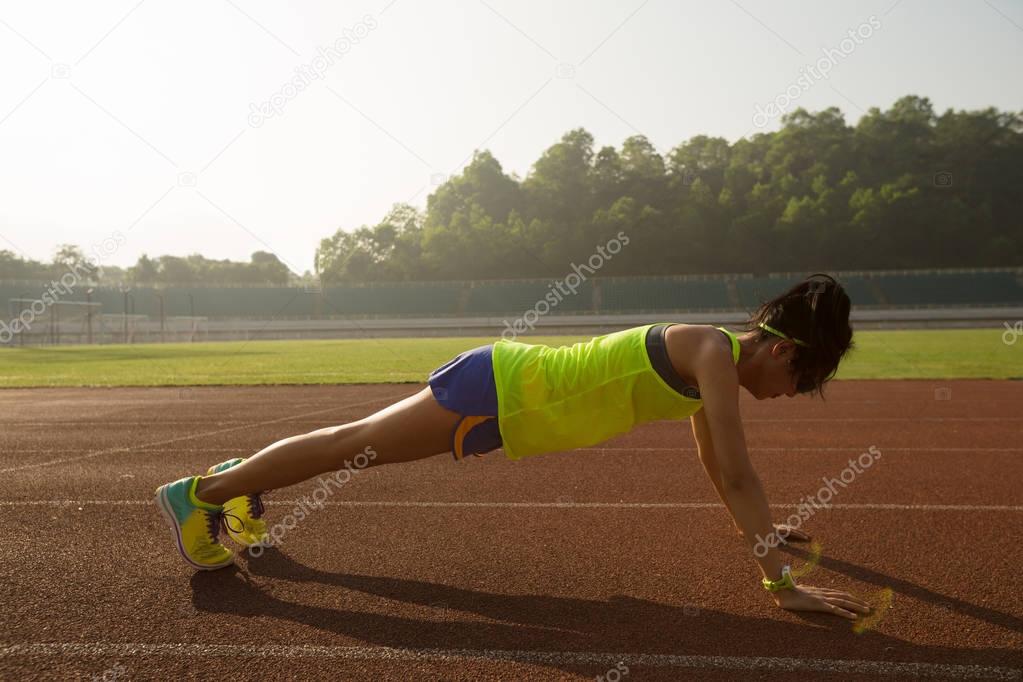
{"type": "Point", "coordinates": [21, 309]}
{"type": "Point", "coordinates": [159, 297]}
{"type": "Point", "coordinates": [191, 313]}
{"type": "Point", "coordinates": [88, 314]}
{"type": "Point", "coordinates": [124, 315]}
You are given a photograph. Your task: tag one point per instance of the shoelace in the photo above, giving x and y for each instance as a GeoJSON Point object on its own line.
{"type": "Point", "coordinates": [255, 505]}
{"type": "Point", "coordinates": [214, 520]}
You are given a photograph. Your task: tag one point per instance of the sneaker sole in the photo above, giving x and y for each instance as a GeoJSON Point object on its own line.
{"type": "Point", "coordinates": [164, 506]}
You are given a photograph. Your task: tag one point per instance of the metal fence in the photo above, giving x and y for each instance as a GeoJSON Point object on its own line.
{"type": "Point", "coordinates": [36, 316]}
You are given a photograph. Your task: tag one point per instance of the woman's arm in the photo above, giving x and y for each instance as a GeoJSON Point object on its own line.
{"type": "Point", "coordinates": [740, 486]}
{"type": "Point", "coordinates": [705, 448]}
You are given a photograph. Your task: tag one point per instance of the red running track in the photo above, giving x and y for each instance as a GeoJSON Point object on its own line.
{"type": "Point", "coordinates": [616, 561]}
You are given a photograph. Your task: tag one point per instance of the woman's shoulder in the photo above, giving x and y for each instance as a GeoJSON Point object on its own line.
{"type": "Point", "coordinates": [696, 338]}
{"type": "Point", "coordinates": [690, 344]}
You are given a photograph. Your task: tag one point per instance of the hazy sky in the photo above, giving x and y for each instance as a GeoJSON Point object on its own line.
{"type": "Point", "coordinates": [148, 117]}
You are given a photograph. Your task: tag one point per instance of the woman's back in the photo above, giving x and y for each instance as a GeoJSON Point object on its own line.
{"type": "Point", "coordinates": [562, 398]}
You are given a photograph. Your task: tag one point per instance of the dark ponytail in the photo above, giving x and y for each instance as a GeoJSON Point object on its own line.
{"type": "Point", "coordinates": [816, 312]}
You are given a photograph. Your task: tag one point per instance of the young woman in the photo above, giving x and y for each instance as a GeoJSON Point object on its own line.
{"type": "Point", "coordinates": [531, 399]}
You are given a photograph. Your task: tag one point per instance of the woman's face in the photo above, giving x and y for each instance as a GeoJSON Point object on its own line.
{"type": "Point", "coordinates": [777, 377]}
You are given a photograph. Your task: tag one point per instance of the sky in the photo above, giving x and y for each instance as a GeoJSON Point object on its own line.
{"type": "Point", "coordinates": [225, 127]}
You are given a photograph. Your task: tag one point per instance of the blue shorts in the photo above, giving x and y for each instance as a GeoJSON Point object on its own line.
{"type": "Point", "coordinates": [466, 385]}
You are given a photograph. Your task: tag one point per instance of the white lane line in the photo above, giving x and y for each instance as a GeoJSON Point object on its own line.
{"type": "Point", "coordinates": [93, 423]}
{"type": "Point", "coordinates": [554, 658]}
{"type": "Point", "coordinates": [852, 449]}
{"type": "Point", "coordinates": [191, 436]}
{"type": "Point", "coordinates": [538, 505]}
{"type": "Point", "coordinates": [220, 422]}
{"type": "Point", "coordinates": [888, 419]}
{"type": "Point", "coordinates": [140, 448]}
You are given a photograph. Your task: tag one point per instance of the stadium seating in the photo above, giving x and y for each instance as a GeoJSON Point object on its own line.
{"type": "Point", "coordinates": [515, 297]}
{"type": "Point", "coordinates": [663, 294]}
{"type": "Point", "coordinates": [407, 298]}
{"type": "Point", "coordinates": [508, 297]}
{"type": "Point", "coordinates": [952, 288]}
{"type": "Point", "coordinates": [754, 290]}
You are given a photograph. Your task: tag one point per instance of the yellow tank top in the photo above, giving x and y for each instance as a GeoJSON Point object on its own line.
{"type": "Point", "coordinates": [552, 399]}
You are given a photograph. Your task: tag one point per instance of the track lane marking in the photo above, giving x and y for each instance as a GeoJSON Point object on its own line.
{"type": "Point", "coordinates": [749, 663]}
{"type": "Point", "coordinates": [766, 420]}
{"type": "Point", "coordinates": [541, 505]}
{"type": "Point", "coordinates": [680, 448]}
{"type": "Point", "coordinates": [108, 451]}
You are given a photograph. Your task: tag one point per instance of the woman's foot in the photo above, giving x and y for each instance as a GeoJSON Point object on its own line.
{"type": "Point", "coordinates": [195, 524]}
{"type": "Point", "coordinates": [243, 516]}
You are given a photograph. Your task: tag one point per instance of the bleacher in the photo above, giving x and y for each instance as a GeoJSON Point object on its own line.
{"type": "Point", "coordinates": [952, 288]}
{"type": "Point", "coordinates": [663, 294]}
{"type": "Point", "coordinates": [734, 292]}
{"type": "Point", "coordinates": [409, 298]}
{"type": "Point", "coordinates": [753, 290]}
{"type": "Point", "coordinates": [502, 297]}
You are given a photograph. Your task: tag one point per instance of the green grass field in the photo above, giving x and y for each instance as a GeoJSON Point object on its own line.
{"type": "Point", "coordinates": [925, 354]}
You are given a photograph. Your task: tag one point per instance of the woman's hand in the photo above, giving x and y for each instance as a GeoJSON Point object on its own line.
{"type": "Point", "coordinates": [822, 599]}
{"type": "Point", "coordinates": [784, 532]}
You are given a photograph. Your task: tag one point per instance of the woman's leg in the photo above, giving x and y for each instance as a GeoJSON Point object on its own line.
{"type": "Point", "coordinates": [410, 429]}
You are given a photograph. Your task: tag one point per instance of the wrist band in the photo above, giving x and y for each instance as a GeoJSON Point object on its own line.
{"type": "Point", "coordinates": [785, 582]}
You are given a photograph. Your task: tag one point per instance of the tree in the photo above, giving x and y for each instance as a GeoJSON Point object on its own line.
{"type": "Point", "coordinates": [145, 271]}
{"type": "Point", "coordinates": [904, 187]}
{"type": "Point", "coordinates": [70, 258]}
{"type": "Point", "coordinates": [267, 268]}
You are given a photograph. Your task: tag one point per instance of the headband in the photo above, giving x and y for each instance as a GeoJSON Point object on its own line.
{"type": "Point", "coordinates": [764, 325]}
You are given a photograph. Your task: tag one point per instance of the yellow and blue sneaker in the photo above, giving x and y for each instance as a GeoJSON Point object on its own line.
{"type": "Point", "coordinates": [195, 523]}
{"type": "Point", "coordinates": [247, 526]}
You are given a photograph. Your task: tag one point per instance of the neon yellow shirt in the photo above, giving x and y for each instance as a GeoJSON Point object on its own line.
{"type": "Point", "coordinates": [553, 399]}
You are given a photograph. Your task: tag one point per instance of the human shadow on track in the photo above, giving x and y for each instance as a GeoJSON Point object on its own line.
{"type": "Point", "coordinates": [902, 586]}
{"type": "Point", "coordinates": [416, 614]}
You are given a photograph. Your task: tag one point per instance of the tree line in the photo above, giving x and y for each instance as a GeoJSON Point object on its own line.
{"type": "Point", "coordinates": [263, 269]}
{"type": "Point", "coordinates": [902, 188]}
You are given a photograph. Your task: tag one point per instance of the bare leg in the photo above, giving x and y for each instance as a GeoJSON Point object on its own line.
{"type": "Point", "coordinates": [410, 429]}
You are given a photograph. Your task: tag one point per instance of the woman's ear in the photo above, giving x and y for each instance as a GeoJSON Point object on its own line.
{"type": "Point", "coordinates": [783, 349]}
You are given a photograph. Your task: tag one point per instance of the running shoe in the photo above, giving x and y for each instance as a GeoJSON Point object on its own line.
{"type": "Point", "coordinates": [195, 524]}
{"type": "Point", "coordinates": [243, 515]}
